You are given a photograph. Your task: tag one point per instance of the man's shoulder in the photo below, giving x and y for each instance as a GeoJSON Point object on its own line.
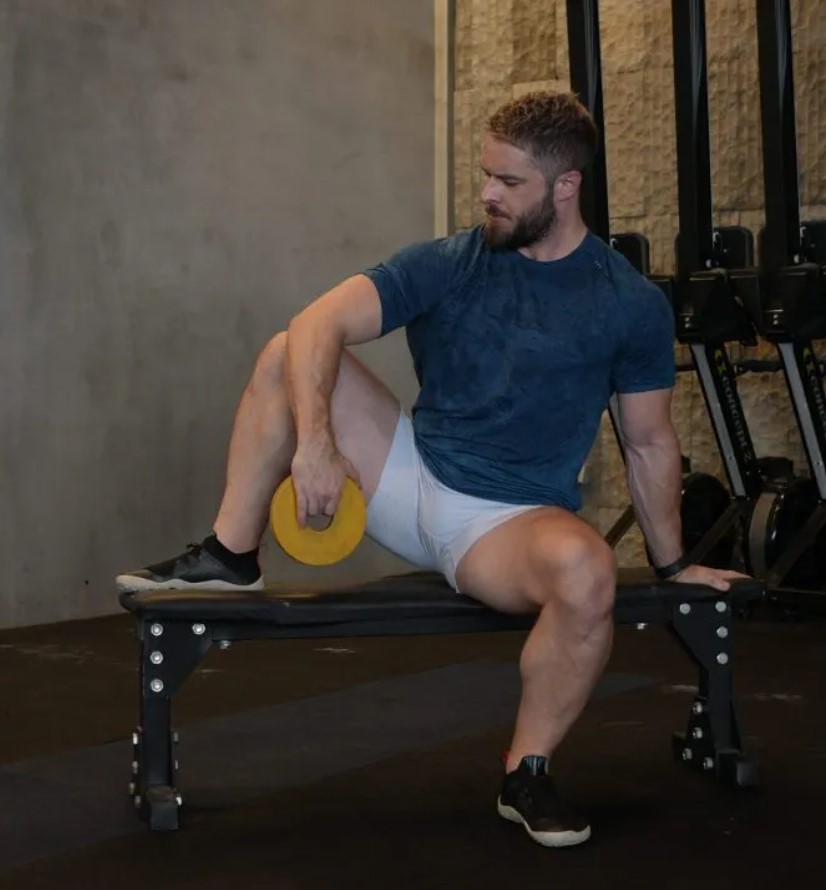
{"type": "Point", "coordinates": [458, 249]}
{"type": "Point", "coordinates": [629, 283]}
{"type": "Point", "coordinates": [466, 243]}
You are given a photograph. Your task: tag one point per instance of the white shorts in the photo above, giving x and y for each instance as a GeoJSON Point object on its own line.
{"type": "Point", "coordinates": [416, 517]}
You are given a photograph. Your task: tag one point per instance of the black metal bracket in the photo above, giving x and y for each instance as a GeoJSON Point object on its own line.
{"type": "Point", "coordinates": [794, 304]}
{"type": "Point", "coordinates": [711, 742]}
{"type": "Point", "coordinates": [708, 310]}
{"type": "Point", "coordinates": [732, 247]}
{"type": "Point", "coordinates": [635, 248]}
{"type": "Point", "coordinates": [813, 242]}
{"type": "Point", "coordinates": [170, 652]}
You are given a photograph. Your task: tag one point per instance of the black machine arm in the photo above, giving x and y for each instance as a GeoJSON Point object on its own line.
{"type": "Point", "coordinates": [709, 313]}
{"type": "Point", "coordinates": [792, 289]}
{"type": "Point", "coordinates": [586, 82]}
{"type": "Point", "coordinates": [789, 300]}
{"type": "Point", "coordinates": [695, 248]}
{"type": "Point", "coordinates": [782, 244]}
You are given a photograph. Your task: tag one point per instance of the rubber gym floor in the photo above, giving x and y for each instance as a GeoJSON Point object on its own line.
{"type": "Point", "coordinates": [376, 763]}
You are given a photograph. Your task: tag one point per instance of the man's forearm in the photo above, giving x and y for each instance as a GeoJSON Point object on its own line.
{"type": "Point", "coordinates": [313, 358]}
{"type": "Point", "coordinates": [655, 482]}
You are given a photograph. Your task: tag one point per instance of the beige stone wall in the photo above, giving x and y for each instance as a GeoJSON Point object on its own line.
{"type": "Point", "coordinates": [507, 47]}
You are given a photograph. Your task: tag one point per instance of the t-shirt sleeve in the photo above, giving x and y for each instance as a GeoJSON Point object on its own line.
{"type": "Point", "coordinates": [646, 360]}
{"type": "Point", "coordinates": [410, 283]}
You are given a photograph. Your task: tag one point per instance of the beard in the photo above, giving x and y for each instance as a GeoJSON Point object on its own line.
{"type": "Point", "coordinates": [532, 226]}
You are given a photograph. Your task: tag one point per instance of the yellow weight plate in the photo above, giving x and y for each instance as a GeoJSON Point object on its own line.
{"type": "Point", "coordinates": [309, 545]}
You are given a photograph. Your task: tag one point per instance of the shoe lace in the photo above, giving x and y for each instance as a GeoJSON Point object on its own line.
{"type": "Point", "coordinates": [194, 548]}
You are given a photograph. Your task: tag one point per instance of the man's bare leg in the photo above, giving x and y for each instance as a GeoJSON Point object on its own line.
{"type": "Point", "coordinates": [549, 561]}
{"type": "Point", "coordinates": [364, 415]}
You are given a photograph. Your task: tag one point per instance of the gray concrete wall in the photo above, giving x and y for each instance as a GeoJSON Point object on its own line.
{"type": "Point", "coordinates": [177, 179]}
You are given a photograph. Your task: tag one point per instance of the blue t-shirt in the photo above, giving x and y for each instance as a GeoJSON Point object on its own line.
{"type": "Point", "coordinates": [517, 359]}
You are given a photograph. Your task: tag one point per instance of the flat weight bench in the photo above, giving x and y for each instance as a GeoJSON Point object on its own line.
{"type": "Point", "coordinates": [176, 629]}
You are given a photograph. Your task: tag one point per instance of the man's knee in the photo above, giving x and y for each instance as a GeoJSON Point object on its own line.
{"type": "Point", "coordinates": [269, 368]}
{"type": "Point", "coordinates": [578, 570]}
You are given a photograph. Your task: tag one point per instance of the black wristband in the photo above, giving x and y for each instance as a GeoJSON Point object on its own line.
{"type": "Point", "coordinates": [672, 569]}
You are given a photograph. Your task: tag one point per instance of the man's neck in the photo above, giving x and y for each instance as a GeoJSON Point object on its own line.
{"type": "Point", "coordinates": [563, 239]}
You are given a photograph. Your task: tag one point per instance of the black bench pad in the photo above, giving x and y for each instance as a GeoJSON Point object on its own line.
{"type": "Point", "coordinates": [413, 595]}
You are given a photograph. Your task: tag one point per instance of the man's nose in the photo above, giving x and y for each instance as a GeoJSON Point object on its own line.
{"type": "Point", "coordinates": [490, 192]}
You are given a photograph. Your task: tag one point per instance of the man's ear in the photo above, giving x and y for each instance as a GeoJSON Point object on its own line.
{"type": "Point", "coordinates": [567, 185]}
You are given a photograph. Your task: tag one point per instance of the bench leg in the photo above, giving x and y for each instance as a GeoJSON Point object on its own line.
{"type": "Point", "coordinates": [711, 742]}
{"type": "Point", "coordinates": [170, 651]}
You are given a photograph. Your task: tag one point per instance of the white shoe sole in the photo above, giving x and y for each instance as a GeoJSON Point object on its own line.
{"type": "Point", "coordinates": [132, 584]}
{"type": "Point", "coordinates": [546, 838]}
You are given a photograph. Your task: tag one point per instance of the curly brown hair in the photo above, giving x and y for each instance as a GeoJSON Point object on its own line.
{"type": "Point", "coordinates": [555, 129]}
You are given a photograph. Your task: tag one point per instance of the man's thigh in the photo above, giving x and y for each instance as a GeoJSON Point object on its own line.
{"type": "Point", "coordinates": [515, 566]}
{"type": "Point", "coordinates": [364, 414]}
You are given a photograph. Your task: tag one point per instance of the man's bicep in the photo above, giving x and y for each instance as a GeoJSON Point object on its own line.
{"type": "Point", "coordinates": [353, 307]}
{"type": "Point", "coordinates": [644, 416]}
{"type": "Point", "coordinates": [410, 283]}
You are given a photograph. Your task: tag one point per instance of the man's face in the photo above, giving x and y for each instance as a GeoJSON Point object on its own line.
{"type": "Point", "coordinates": [518, 200]}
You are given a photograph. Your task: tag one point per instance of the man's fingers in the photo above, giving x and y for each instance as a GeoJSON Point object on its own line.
{"type": "Point", "coordinates": [719, 579]}
{"type": "Point", "coordinates": [313, 506]}
{"type": "Point", "coordinates": [301, 509]}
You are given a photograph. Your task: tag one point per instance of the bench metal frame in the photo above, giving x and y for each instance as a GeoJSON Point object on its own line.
{"type": "Point", "coordinates": [176, 631]}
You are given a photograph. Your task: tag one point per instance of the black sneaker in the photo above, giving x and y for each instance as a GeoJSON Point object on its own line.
{"type": "Point", "coordinates": [194, 570]}
{"type": "Point", "coordinates": [528, 796]}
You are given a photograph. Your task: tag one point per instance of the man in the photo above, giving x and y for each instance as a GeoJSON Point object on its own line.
{"type": "Point", "coordinates": [520, 331]}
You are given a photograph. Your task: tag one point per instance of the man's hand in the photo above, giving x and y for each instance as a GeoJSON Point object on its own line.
{"type": "Point", "coordinates": [319, 471]}
{"type": "Point", "coordinates": [719, 579]}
